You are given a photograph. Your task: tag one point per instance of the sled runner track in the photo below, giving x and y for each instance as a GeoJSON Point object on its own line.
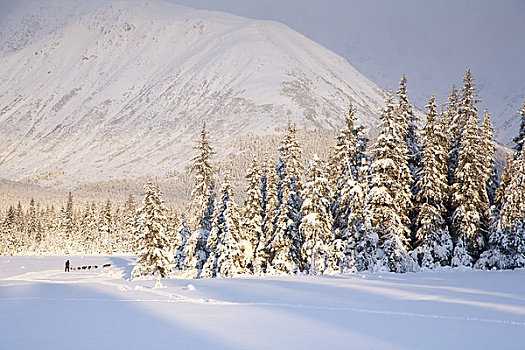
{"type": "Point", "coordinates": [159, 295]}
{"type": "Point", "coordinates": [284, 305]}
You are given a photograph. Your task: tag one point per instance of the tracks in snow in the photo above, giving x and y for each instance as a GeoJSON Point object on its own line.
{"type": "Point", "coordinates": [164, 295]}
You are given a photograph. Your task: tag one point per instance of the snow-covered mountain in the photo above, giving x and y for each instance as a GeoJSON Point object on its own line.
{"type": "Point", "coordinates": [432, 42]}
{"type": "Point", "coordinates": [121, 89]}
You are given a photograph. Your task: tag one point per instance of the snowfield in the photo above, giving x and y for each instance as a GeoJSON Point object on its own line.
{"type": "Point", "coordinates": [44, 308]}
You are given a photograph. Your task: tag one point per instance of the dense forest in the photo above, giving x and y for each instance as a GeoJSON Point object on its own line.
{"type": "Point", "coordinates": [413, 198]}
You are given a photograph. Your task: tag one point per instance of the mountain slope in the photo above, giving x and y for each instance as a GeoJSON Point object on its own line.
{"type": "Point", "coordinates": [432, 42]}
{"type": "Point", "coordinates": [123, 90]}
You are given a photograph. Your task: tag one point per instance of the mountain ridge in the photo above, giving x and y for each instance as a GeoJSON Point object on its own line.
{"type": "Point", "coordinates": [123, 90]}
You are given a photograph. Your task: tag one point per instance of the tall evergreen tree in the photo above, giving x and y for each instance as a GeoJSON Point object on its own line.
{"type": "Point", "coordinates": [202, 197]}
{"type": "Point", "coordinates": [432, 236]}
{"type": "Point", "coordinates": [201, 208]}
{"type": "Point", "coordinates": [316, 224]}
{"type": "Point", "coordinates": [520, 139]}
{"type": "Point", "coordinates": [506, 177]}
{"type": "Point", "coordinates": [227, 253]}
{"type": "Point", "coordinates": [469, 198]}
{"type": "Point", "coordinates": [285, 244]}
{"type": "Point", "coordinates": [362, 242]}
{"type": "Point", "coordinates": [155, 257]}
{"type": "Point", "coordinates": [487, 149]}
{"type": "Point", "coordinates": [181, 237]}
{"type": "Point", "coordinates": [105, 228]}
{"type": "Point", "coordinates": [389, 199]}
{"type": "Point", "coordinates": [270, 192]}
{"type": "Point", "coordinates": [507, 238]}
{"type": "Point", "coordinates": [68, 223]}
{"type": "Point", "coordinates": [252, 220]}
{"type": "Point", "coordinates": [342, 171]}
{"type": "Point", "coordinates": [455, 129]}
{"type": "Point", "coordinates": [33, 224]}
{"type": "Point", "coordinates": [407, 120]}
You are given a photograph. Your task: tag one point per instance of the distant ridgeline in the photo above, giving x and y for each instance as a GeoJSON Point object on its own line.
{"type": "Point", "coordinates": [414, 198]}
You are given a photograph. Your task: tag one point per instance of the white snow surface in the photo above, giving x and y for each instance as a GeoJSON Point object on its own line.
{"type": "Point", "coordinates": [43, 307]}
{"type": "Point", "coordinates": [119, 89]}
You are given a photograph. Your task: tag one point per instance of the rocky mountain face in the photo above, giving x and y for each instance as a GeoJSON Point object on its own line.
{"type": "Point", "coordinates": [110, 90]}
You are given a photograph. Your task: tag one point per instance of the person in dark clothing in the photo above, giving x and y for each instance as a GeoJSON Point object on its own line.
{"type": "Point", "coordinates": [67, 266]}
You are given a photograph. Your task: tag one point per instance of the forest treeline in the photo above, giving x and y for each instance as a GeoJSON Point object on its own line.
{"type": "Point", "coordinates": [414, 198]}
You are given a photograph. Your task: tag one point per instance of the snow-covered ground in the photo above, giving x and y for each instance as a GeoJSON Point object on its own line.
{"type": "Point", "coordinates": [41, 307]}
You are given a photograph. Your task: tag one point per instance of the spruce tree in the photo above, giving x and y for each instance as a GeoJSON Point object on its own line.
{"type": "Point", "coordinates": [285, 244]}
{"type": "Point", "coordinates": [487, 149]}
{"type": "Point", "coordinates": [130, 218]}
{"type": "Point", "coordinates": [342, 172]}
{"type": "Point", "coordinates": [270, 189]}
{"type": "Point", "coordinates": [155, 257]}
{"type": "Point", "coordinates": [520, 139]}
{"type": "Point", "coordinates": [105, 228]}
{"type": "Point", "coordinates": [461, 257]}
{"type": "Point", "coordinates": [33, 225]}
{"type": "Point", "coordinates": [228, 252]}
{"type": "Point", "coordinates": [202, 197]}
{"type": "Point", "coordinates": [513, 217]}
{"type": "Point", "coordinates": [316, 224]}
{"type": "Point", "coordinates": [469, 192]}
{"type": "Point", "coordinates": [362, 242]}
{"type": "Point", "coordinates": [68, 223]}
{"type": "Point", "coordinates": [408, 122]}
{"type": "Point", "coordinates": [182, 234]}
{"type": "Point", "coordinates": [432, 236]}
{"type": "Point", "coordinates": [201, 208]}
{"type": "Point", "coordinates": [389, 199]}
{"type": "Point", "coordinates": [455, 130]}
{"type": "Point", "coordinates": [252, 220]}
{"type": "Point", "coordinates": [506, 177]}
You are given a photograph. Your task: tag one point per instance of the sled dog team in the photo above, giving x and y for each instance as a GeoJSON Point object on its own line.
{"type": "Point", "coordinates": [86, 267]}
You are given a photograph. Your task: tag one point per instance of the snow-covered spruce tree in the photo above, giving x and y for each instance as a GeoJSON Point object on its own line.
{"type": "Point", "coordinates": [487, 153]}
{"type": "Point", "coordinates": [461, 257]}
{"type": "Point", "coordinates": [155, 257]}
{"type": "Point", "coordinates": [520, 139]}
{"type": "Point", "coordinates": [407, 119]}
{"type": "Point", "coordinates": [129, 214]}
{"type": "Point", "coordinates": [455, 129]}
{"type": "Point", "coordinates": [469, 192]}
{"type": "Point", "coordinates": [68, 220]}
{"type": "Point", "coordinates": [285, 243]}
{"type": "Point", "coordinates": [252, 220]}
{"type": "Point", "coordinates": [105, 228]}
{"type": "Point", "coordinates": [34, 227]}
{"type": "Point", "coordinates": [9, 232]}
{"type": "Point", "coordinates": [201, 208]}
{"type": "Point", "coordinates": [434, 244]}
{"type": "Point", "coordinates": [506, 177]}
{"type": "Point", "coordinates": [228, 252]}
{"type": "Point", "coordinates": [361, 245]}
{"type": "Point", "coordinates": [182, 233]}
{"type": "Point", "coordinates": [270, 190]}
{"type": "Point", "coordinates": [342, 172]}
{"type": "Point", "coordinates": [89, 229]}
{"type": "Point", "coordinates": [507, 241]}
{"type": "Point", "coordinates": [389, 199]}
{"type": "Point", "coordinates": [316, 224]}
{"type": "Point", "coordinates": [202, 196]}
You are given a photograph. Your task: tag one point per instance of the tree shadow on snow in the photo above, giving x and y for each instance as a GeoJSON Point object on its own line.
{"type": "Point", "coordinates": [64, 316]}
{"type": "Point", "coordinates": [124, 263]}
